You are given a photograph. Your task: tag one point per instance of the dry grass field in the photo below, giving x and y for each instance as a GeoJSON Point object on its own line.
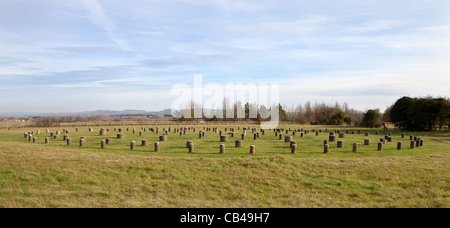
{"type": "Point", "coordinates": [57, 175]}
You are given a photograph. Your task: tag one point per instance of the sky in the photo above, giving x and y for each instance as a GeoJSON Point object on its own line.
{"type": "Point", "coordinates": [84, 55]}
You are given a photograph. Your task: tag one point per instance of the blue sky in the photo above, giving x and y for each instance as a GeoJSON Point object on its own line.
{"type": "Point", "coordinates": [80, 55]}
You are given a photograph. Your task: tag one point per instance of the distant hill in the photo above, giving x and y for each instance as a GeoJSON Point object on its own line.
{"type": "Point", "coordinates": [85, 113]}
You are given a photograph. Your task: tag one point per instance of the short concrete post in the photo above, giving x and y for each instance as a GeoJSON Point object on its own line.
{"type": "Point", "coordinates": [191, 148]}
{"type": "Point", "coordinates": [292, 143]}
{"type": "Point", "coordinates": [294, 148]}
{"type": "Point", "coordinates": [252, 149]}
{"type": "Point", "coordinates": [332, 138]}
{"type": "Point", "coordinates": [380, 146]}
{"type": "Point", "coordinates": [224, 138]}
{"type": "Point", "coordinates": [326, 148]}
{"type": "Point", "coordinates": [355, 147]}
{"type": "Point", "coordinates": [399, 146]}
{"type": "Point", "coordinates": [163, 138]}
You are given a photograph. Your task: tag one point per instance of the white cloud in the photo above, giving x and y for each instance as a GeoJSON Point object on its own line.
{"type": "Point", "coordinates": [97, 15]}
{"type": "Point", "coordinates": [437, 28]}
{"type": "Point", "coordinates": [279, 28]}
{"type": "Point", "coordinates": [366, 52]}
{"type": "Point", "coordinates": [229, 6]}
{"type": "Point", "coordinates": [412, 45]}
{"type": "Point", "coordinates": [376, 88]}
{"type": "Point", "coordinates": [376, 25]}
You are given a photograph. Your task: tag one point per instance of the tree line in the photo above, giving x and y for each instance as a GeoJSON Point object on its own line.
{"type": "Point", "coordinates": [309, 113]}
{"type": "Point", "coordinates": [420, 114]}
{"type": "Point", "coordinates": [411, 114]}
{"type": "Point", "coordinates": [99, 118]}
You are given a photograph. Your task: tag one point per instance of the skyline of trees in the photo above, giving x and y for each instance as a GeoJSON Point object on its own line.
{"type": "Point", "coordinates": [412, 114]}
{"type": "Point", "coordinates": [421, 114]}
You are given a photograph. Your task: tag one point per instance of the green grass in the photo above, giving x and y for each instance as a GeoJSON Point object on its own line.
{"type": "Point", "coordinates": [57, 175]}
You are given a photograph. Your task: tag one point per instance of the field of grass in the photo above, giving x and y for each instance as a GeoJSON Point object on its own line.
{"type": "Point", "coordinates": [57, 175]}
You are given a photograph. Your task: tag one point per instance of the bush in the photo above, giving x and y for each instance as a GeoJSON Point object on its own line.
{"type": "Point", "coordinates": [45, 122]}
{"type": "Point", "coordinates": [348, 120]}
{"type": "Point", "coordinates": [421, 114]}
{"type": "Point", "coordinates": [338, 118]}
{"type": "Point", "coordinates": [372, 119]}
